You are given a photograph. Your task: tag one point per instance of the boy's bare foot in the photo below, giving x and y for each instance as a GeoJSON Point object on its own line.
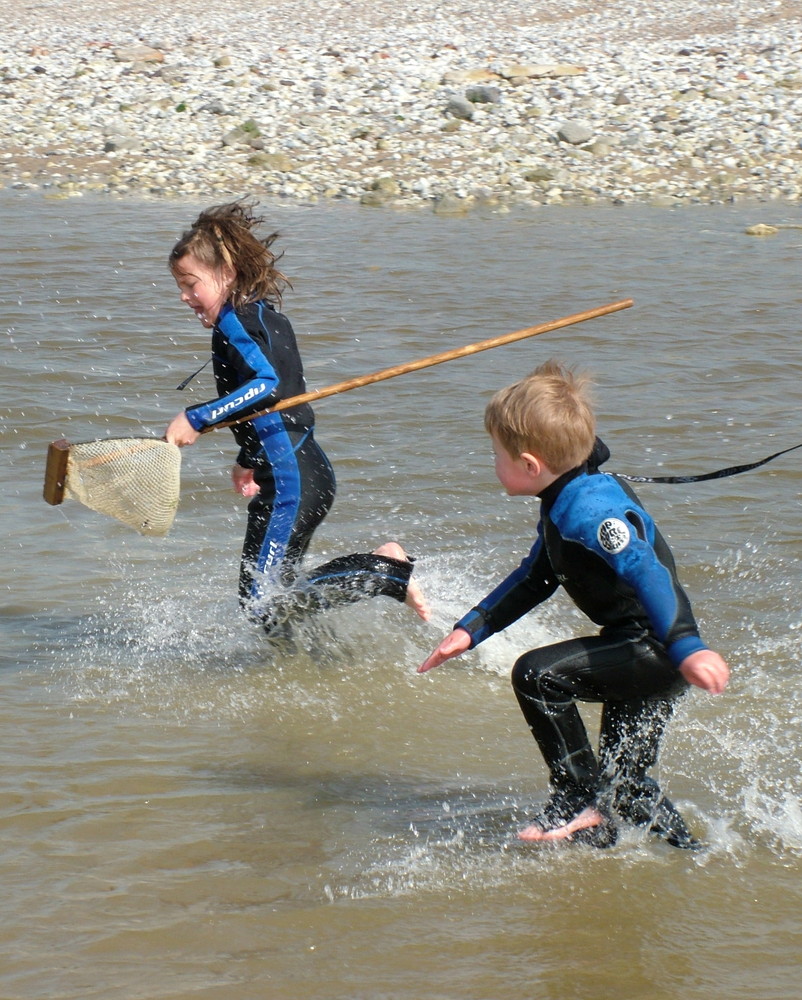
{"type": "Point", "coordinates": [414, 598]}
{"type": "Point", "coordinates": [588, 818]}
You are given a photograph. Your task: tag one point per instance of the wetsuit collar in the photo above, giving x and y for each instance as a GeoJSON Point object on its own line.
{"type": "Point", "coordinates": [551, 492]}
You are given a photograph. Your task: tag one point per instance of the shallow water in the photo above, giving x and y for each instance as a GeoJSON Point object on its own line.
{"type": "Point", "coordinates": [186, 812]}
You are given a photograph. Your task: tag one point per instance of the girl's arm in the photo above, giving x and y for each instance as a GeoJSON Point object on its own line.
{"type": "Point", "coordinates": [180, 431]}
{"type": "Point", "coordinates": [243, 481]}
{"type": "Point", "coordinates": [257, 380]}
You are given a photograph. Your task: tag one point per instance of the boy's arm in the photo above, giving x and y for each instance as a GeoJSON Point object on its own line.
{"type": "Point", "coordinates": [527, 586]}
{"type": "Point", "coordinates": [458, 642]}
{"type": "Point", "coordinates": [645, 561]}
{"type": "Point", "coordinates": [706, 670]}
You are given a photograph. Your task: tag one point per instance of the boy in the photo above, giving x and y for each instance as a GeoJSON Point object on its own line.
{"type": "Point", "coordinates": [597, 541]}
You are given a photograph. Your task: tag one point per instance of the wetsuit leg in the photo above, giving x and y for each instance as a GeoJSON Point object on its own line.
{"type": "Point", "coordinates": [344, 580]}
{"type": "Point", "coordinates": [318, 488]}
{"type": "Point", "coordinates": [629, 741]}
{"type": "Point", "coordinates": [282, 518]}
{"type": "Point", "coordinates": [296, 492]}
{"type": "Point", "coordinates": [630, 736]}
{"type": "Point", "coordinates": [607, 668]}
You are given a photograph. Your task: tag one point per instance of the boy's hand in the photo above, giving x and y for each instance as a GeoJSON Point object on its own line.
{"type": "Point", "coordinates": [181, 431]}
{"type": "Point", "coordinates": [707, 670]}
{"type": "Point", "coordinates": [243, 481]}
{"type": "Point", "coordinates": [458, 642]}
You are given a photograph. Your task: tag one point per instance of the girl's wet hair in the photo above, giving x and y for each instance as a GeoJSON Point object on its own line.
{"type": "Point", "coordinates": [223, 237]}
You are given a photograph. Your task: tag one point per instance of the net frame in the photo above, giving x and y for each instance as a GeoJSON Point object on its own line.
{"type": "Point", "coordinates": [135, 480]}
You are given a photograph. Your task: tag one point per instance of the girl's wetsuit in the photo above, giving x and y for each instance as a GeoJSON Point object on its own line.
{"type": "Point", "coordinates": [257, 363]}
{"type": "Point", "coordinates": [598, 542]}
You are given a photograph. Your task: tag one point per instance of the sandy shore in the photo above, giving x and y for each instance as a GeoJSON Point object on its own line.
{"type": "Point", "coordinates": [428, 104]}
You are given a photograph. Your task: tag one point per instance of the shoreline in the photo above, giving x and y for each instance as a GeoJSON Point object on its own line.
{"type": "Point", "coordinates": [430, 107]}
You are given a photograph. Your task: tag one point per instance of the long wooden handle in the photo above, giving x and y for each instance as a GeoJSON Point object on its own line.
{"type": "Point", "coordinates": [434, 359]}
{"type": "Point", "coordinates": [58, 452]}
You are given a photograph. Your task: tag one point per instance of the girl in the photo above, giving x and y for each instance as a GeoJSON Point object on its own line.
{"type": "Point", "coordinates": [228, 277]}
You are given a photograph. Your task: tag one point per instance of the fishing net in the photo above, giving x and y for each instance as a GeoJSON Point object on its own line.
{"type": "Point", "coordinates": [136, 480]}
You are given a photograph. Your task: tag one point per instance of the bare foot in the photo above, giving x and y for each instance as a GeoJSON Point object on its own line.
{"type": "Point", "coordinates": [417, 601]}
{"type": "Point", "coordinates": [414, 598]}
{"type": "Point", "coordinates": [587, 818]}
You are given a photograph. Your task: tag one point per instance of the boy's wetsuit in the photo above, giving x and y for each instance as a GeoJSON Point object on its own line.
{"type": "Point", "coordinates": [598, 542]}
{"type": "Point", "coordinates": [256, 363]}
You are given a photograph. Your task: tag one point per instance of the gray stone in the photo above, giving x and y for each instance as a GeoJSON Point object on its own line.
{"type": "Point", "coordinates": [539, 175]}
{"type": "Point", "coordinates": [246, 134]}
{"type": "Point", "coordinates": [121, 143]}
{"type": "Point", "coordinates": [386, 185]}
{"type": "Point", "coordinates": [459, 77]}
{"type": "Point", "coordinates": [574, 134]}
{"type": "Point", "coordinates": [761, 229]}
{"type": "Point", "coordinates": [451, 204]}
{"type": "Point", "coordinates": [271, 161]}
{"type": "Point", "coordinates": [483, 95]}
{"type": "Point", "coordinates": [460, 107]}
{"type": "Point", "coordinates": [138, 54]}
{"type": "Point", "coordinates": [540, 71]}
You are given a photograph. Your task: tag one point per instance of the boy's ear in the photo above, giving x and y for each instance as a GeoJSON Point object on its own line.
{"type": "Point", "coordinates": [534, 466]}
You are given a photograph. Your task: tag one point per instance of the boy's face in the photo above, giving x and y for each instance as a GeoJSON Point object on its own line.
{"type": "Point", "coordinates": [202, 288]}
{"type": "Point", "coordinates": [521, 477]}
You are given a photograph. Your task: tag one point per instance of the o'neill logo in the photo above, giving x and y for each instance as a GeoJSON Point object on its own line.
{"type": "Point", "coordinates": [613, 535]}
{"type": "Point", "coordinates": [237, 401]}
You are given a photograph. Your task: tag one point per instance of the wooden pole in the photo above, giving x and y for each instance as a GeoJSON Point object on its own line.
{"type": "Point", "coordinates": [434, 359]}
{"type": "Point", "coordinates": [58, 451]}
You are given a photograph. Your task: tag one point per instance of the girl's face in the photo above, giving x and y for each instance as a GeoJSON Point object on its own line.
{"type": "Point", "coordinates": [204, 289]}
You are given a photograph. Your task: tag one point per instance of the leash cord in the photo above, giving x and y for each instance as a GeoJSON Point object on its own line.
{"type": "Point", "coordinates": [733, 470]}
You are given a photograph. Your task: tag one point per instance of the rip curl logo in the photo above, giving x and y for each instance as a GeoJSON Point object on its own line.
{"type": "Point", "coordinates": [237, 401]}
{"type": "Point", "coordinates": [613, 535]}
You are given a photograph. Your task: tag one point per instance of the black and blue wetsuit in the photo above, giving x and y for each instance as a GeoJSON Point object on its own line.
{"type": "Point", "coordinates": [597, 541]}
{"type": "Point", "coordinates": [256, 363]}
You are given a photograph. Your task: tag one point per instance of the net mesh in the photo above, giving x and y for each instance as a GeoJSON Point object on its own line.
{"type": "Point", "coordinates": [136, 480]}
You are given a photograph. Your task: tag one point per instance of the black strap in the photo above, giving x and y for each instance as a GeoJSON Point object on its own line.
{"type": "Point", "coordinates": [733, 470]}
{"type": "Point", "coordinates": [189, 378]}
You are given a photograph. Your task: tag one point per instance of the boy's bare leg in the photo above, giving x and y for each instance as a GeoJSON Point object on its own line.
{"type": "Point", "coordinates": [588, 818]}
{"type": "Point", "coordinates": [414, 598]}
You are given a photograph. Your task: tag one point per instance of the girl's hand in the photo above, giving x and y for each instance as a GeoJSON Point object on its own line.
{"type": "Point", "coordinates": [243, 481]}
{"type": "Point", "coordinates": [458, 642]}
{"type": "Point", "coordinates": [707, 670]}
{"type": "Point", "coordinates": [181, 432]}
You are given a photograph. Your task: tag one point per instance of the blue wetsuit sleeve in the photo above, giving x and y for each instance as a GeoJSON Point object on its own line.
{"type": "Point", "coordinates": [666, 603]}
{"type": "Point", "coordinates": [257, 389]}
{"type": "Point", "coordinates": [637, 553]}
{"type": "Point", "coordinates": [527, 586]}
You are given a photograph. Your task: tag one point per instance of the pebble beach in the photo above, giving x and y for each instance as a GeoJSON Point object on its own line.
{"type": "Point", "coordinates": [437, 105]}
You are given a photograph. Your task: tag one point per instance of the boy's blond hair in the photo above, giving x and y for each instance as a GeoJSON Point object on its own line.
{"type": "Point", "coordinates": [548, 414]}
